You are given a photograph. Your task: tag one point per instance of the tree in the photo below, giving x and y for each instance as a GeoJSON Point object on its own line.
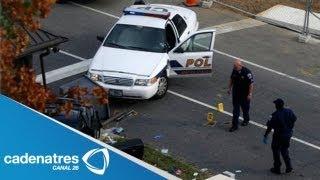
{"type": "Point", "coordinates": [20, 84]}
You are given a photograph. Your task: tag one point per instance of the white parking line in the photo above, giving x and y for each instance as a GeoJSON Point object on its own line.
{"type": "Point", "coordinates": [230, 114]}
{"type": "Point", "coordinates": [269, 69]}
{"type": "Point", "coordinates": [95, 10]}
{"type": "Point", "coordinates": [64, 72]}
{"type": "Point", "coordinates": [72, 55]}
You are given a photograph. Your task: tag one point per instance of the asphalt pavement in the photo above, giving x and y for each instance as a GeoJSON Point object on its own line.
{"type": "Point", "coordinates": [181, 121]}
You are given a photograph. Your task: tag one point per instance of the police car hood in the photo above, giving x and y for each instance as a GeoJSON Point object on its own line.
{"type": "Point", "coordinates": [126, 61]}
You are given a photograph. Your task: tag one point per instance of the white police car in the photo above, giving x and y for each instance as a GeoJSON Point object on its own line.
{"type": "Point", "coordinates": [148, 45]}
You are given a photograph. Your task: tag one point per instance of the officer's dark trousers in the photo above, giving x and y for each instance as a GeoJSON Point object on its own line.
{"type": "Point", "coordinates": [238, 102]}
{"type": "Point", "coordinates": [281, 145]}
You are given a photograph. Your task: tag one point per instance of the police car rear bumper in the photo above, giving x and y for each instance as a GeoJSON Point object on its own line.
{"type": "Point", "coordinates": [131, 92]}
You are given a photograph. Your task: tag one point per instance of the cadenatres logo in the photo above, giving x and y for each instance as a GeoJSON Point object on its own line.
{"type": "Point", "coordinates": [61, 162]}
{"type": "Point", "coordinates": [99, 171]}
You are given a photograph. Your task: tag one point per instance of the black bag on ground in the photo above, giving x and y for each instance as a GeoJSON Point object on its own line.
{"type": "Point", "coordinates": [134, 147]}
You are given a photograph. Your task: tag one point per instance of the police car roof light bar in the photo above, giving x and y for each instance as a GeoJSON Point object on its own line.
{"type": "Point", "coordinates": [141, 12]}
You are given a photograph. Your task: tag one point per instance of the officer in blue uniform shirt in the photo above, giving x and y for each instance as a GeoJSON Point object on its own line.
{"type": "Point", "coordinates": [282, 122]}
{"type": "Point", "coordinates": [241, 84]}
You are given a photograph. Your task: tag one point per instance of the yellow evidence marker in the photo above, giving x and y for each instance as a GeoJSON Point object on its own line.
{"type": "Point", "coordinates": [220, 107]}
{"type": "Point", "coordinates": [210, 119]}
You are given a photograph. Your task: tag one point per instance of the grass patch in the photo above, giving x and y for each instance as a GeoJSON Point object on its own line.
{"type": "Point", "coordinates": [172, 165]}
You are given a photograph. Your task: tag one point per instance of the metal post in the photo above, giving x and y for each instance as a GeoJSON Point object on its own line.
{"type": "Point", "coordinates": [46, 53]}
{"type": "Point", "coordinates": [307, 17]}
{"type": "Point", "coordinates": [305, 34]}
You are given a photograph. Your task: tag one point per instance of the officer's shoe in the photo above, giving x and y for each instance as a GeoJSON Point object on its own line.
{"type": "Point", "coordinates": [289, 170]}
{"type": "Point", "coordinates": [244, 123]}
{"type": "Point", "coordinates": [233, 128]}
{"type": "Point", "coordinates": [275, 171]}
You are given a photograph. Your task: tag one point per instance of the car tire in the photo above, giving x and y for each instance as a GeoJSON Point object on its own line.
{"type": "Point", "coordinates": [162, 87]}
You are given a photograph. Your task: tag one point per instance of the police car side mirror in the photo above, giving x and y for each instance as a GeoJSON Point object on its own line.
{"type": "Point", "coordinates": [166, 47]}
{"type": "Point", "coordinates": [179, 50]}
{"type": "Point", "coordinates": [100, 38]}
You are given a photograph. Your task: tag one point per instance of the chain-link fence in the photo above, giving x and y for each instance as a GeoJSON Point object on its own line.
{"type": "Point", "coordinates": [298, 15]}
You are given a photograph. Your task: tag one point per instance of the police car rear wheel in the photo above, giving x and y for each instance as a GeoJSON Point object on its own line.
{"type": "Point", "coordinates": [162, 87]}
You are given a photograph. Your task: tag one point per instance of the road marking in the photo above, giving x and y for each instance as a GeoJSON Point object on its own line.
{"type": "Point", "coordinates": [230, 114]}
{"type": "Point", "coordinates": [220, 177]}
{"type": "Point", "coordinates": [64, 72]}
{"type": "Point", "coordinates": [268, 69]}
{"type": "Point", "coordinates": [72, 55]}
{"type": "Point", "coordinates": [95, 10]}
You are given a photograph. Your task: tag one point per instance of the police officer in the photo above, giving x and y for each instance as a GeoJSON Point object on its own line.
{"type": "Point", "coordinates": [139, 2]}
{"type": "Point", "coordinates": [241, 84]}
{"type": "Point", "coordinates": [282, 122]}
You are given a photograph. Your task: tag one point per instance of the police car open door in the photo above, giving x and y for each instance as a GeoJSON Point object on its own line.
{"type": "Point", "coordinates": [193, 56]}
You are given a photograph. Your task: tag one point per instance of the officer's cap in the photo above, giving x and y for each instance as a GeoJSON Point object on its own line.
{"type": "Point", "coordinates": [279, 101]}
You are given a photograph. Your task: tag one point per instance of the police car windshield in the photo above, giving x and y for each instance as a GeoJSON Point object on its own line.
{"type": "Point", "coordinates": [137, 38]}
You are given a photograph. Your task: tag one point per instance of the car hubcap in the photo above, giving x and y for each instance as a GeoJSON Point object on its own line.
{"type": "Point", "coordinates": [162, 86]}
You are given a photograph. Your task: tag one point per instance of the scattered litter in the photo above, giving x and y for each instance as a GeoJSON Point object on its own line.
{"type": "Point", "coordinates": [178, 172]}
{"type": "Point", "coordinates": [238, 171]}
{"type": "Point", "coordinates": [219, 95]}
{"type": "Point", "coordinates": [164, 151]}
{"type": "Point", "coordinates": [117, 130]}
{"type": "Point", "coordinates": [111, 140]}
{"type": "Point", "coordinates": [194, 179]}
{"type": "Point", "coordinates": [203, 170]}
{"type": "Point", "coordinates": [133, 113]}
{"type": "Point", "coordinates": [206, 3]}
{"type": "Point", "coordinates": [195, 174]}
{"type": "Point", "coordinates": [107, 138]}
{"type": "Point", "coordinates": [157, 137]}
{"type": "Point", "coordinates": [175, 171]}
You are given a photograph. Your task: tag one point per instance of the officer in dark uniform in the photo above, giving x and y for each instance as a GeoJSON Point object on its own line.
{"type": "Point", "coordinates": [282, 122]}
{"type": "Point", "coordinates": [139, 2]}
{"type": "Point", "coordinates": [241, 83]}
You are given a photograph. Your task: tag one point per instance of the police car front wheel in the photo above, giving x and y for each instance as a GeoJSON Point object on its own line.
{"type": "Point", "coordinates": [162, 87]}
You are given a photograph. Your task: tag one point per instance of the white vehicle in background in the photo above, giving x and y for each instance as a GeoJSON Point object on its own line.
{"type": "Point", "coordinates": [148, 45]}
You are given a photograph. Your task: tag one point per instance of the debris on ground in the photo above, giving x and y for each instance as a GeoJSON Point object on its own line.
{"type": "Point", "coordinates": [164, 151]}
{"type": "Point", "coordinates": [178, 172]}
{"type": "Point", "coordinates": [195, 174]}
{"type": "Point", "coordinates": [173, 165]}
{"type": "Point", "coordinates": [117, 130]}
{"type": "Point", "coordinates": [206, 3]}
{"type": "Point", "coordinates": [157, 137]}
{"type": "Point", "coordinates": [203, 170]}
{"type": "Point", "coordinates": [105, 137]}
